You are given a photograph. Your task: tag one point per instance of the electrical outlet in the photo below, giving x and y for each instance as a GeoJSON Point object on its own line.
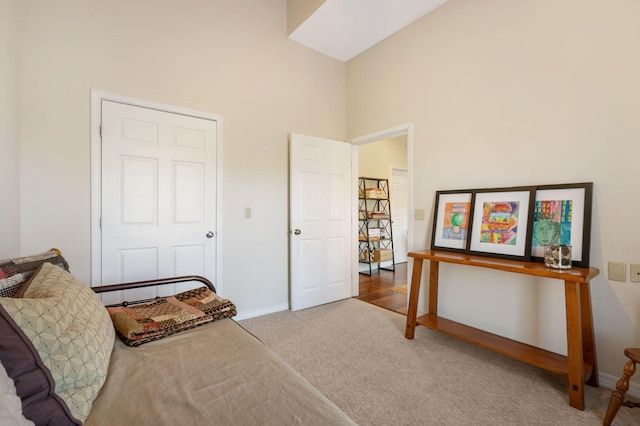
{"type": "Point", "coordinates": [634, 272]}
{"type": "Point", "coordinates": [419, 214]}
{"type": "Point", "coordinates": [617, 271]}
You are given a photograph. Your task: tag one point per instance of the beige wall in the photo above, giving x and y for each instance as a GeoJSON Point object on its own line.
{"type": "Point", "coordinates": [9, 147]}
{"type": "Point", "coordinates": [226, 57]}
{"type": "Point", "coordinates": [376, 159]}
{"type": "Point", "coordinates": [507, 93]}
{"type": "Point", "coordinates": [299, 10]}
{"type": "Point", "coordinates": [499, 92]}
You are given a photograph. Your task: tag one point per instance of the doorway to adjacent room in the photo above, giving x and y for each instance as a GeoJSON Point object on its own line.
{"type": "Point", "coordinates": [386, 155]}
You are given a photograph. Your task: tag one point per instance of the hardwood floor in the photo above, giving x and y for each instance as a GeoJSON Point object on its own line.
{"type": "Point", "coordinates": [380, 289]}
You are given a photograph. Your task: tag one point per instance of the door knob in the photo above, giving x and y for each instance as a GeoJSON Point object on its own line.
{"type": "Point", "coordinates": [210, 234]}
{"type": "Point", "coordinates": [297, 232]}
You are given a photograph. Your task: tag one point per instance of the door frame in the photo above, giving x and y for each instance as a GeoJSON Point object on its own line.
{"type": "Point", "coordinates": [97, 96]}
{"type": "Point", "coordinates": [391, 176]}
{"type": "Point", "coordinates": [402, 129]}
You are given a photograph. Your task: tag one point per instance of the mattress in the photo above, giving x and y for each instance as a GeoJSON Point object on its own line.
{"type": "Point", "coordinates": [217, 374]}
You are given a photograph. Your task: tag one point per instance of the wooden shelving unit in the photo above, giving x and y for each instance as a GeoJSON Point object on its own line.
{"type": "Point", "coordinates": [550, 361]}
{"type": "Point", "coordinates": [374, 209]}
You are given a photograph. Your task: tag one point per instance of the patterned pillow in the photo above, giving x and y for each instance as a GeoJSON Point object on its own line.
{"type": "Point", "coordinates": [71, 331]}
{"type": "Point", "coordinates": [14, 272]}
{"type": "Point", "coordinates": [33, 381]}
{"type": "Point", "coordinates": [164, 316]}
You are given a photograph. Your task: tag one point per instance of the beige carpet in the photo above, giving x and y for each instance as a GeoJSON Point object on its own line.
{"type": "Point", "coordinates": [356, 354]}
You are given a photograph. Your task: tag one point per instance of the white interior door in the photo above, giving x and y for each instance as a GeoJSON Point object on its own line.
{"type": "Point", "coordinates": [158, 196]}
{"type": "Point", "coordinates": [320, 219]}
{"type": "Point", "coordinates": [400, 213]}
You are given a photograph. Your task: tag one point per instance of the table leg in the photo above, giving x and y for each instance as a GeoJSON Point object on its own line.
{"type": "Point", "coordinates": [434, 272]}
{"type": "Point", "coordinates": [588, 340]}
{"type": "Point", "coordinates": [412, 310]}
{"type": "Point", "coordinates": [574, 344]}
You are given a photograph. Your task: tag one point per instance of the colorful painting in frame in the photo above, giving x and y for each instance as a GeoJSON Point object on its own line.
{"type": "Point", "coordinates": [501, 222]}
{"type": "Point", "coordinates": [451, 220]}
{"type": "Point", "coordinates": [562, 216]}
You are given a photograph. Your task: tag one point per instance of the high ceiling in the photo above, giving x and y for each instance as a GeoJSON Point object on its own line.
{"type": "Point", "coordinates": [343, 29]}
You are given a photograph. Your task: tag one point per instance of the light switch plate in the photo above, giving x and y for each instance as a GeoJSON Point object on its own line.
{"type": "Point", "coordinates": [618, 271]}
{"type": "Point", "coordinates": [634, 272]}
{"type": "Point", "coordinates": [419, 214]}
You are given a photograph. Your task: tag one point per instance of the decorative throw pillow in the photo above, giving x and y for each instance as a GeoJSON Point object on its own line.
{"type": "Point", "coordinates": [164, 316]}
{"type": "Point", "coordinates": [71, 331]}
{"type": "Point", "coordinates": [33, 381]}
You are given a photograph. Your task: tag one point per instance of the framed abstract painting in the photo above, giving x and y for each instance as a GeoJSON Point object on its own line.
{"type": "Point", "coordinates": [562, 216]}
{"type": "Point", "coordinates": [501, 222]}
{"type": "Point", "coordinates": [451, 220]}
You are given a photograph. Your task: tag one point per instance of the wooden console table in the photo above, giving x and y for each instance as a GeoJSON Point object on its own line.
{"type": "Point", "coordinates": [580, 363]}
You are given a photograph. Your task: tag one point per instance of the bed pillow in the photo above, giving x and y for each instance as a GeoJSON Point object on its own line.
{"type": "Point", "coordinates": [15, 271]}
{"type": "Point", "coordinates": [165, 316]}
{"type": "Point", "coordinates": [70, 329]}
{"type": "Point", "coordinates": [34, 385]}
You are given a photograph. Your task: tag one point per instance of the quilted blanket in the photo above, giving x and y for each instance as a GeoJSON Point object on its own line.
{"type": "Point", "coordinates": [164, 316]}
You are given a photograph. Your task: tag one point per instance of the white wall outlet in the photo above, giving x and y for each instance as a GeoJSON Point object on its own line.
{"type": "Point", "coordinates": [634, 272]}
{"type": "Point", "coordinates": [419, 215]}
{"type": "Point", "coordinates": [618, 271]}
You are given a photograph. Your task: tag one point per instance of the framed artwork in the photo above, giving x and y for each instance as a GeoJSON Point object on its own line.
{"type": "Point", "coordinates": [451, 220]}
{"type": "Point", "coordinates": [562, 216]}
{"type": "Point", "coordinates": [501, 222]}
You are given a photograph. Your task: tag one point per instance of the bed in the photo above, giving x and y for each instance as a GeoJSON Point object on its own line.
{"type": "Point", "coordinates": [212, 373]}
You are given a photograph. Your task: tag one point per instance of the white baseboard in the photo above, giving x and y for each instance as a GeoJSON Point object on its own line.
{"type": "Point", "coordinates": [609, 382]}
{"type": "Point", "coordinates": [264, 311]}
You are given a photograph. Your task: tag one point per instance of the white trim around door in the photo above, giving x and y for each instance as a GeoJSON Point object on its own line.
{"type": "Point", "coordinates": [97, 97]}
{"type": "Point", "coordinates": [402, 129]}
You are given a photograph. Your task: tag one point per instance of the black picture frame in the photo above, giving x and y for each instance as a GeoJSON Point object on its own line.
{"type": "Point", "coordinates": [567, 222]}
{"type": "Point", "coordinates": [501, 222]}
{"type": "Point", "coordinates": [451, 220]}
